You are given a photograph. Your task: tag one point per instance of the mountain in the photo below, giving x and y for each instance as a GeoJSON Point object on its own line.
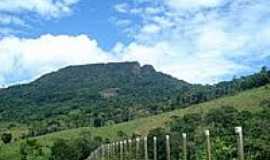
{"type": "Point", "coordinates": [84, 83]}
{"type": "Point", "coordinates": [103, 94]}
{"type": "Point", "coordinates": [92, 89]}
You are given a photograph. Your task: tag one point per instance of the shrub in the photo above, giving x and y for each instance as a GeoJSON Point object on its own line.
{"type": "Point", "coordinates": [6, 137]}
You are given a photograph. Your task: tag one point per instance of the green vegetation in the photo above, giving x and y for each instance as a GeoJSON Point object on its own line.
{"type": "Point", "coordinates": [221, 123]}
{"type": "Point", "coordinates": [90, 95]}
{"type": "Point", "coordinates": [6, 137]}
{"type": "Point", "coordinates": [104, 94]}
{"type": "Point", "coordinates": [254, 101]}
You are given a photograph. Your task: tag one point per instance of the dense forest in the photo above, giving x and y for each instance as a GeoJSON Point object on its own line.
{"type": "Point", "coordinates": [104, 94]}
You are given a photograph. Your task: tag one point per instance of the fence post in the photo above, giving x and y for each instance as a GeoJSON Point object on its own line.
{"type": "Point", "coordinates": [207, 134]}
{"type": "Point", "coordinates": [98, 153]}
{"type": "Point", "coordinates": [106, 152]}
{"type": "Point", "coordinates": [103, 152]}
{"type": "Point", "coordinates": [137, 154]}
{"type": "Point", "coordinates": [121, 150]}
{"type": "Point", "coordinates": [239, 131]}
{"type": "Point", "coordinates": [130, 148]}
{"type": "Point", "coordinates": [155, 148]}
{"type": "Point", "coordinates": [125, 150]}
{"type": "Point", "coordinates": [113, 148]}
{"type": "Point", "coordinates": [145, 149]}
{"type": "Point", "coordinates": [184, 135]}
{"type": "Point", "coordinates": [117, 149]}
{"type": "Point", "coordinates": [168, 148]}
{"type": "Point", "coordinates": [109, 151]}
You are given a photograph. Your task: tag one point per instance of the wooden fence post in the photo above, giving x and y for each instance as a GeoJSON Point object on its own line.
{"type": "Point", "coordinates": [239, 131]}
{"type": "Point", "coordinates": [121, 150]}
{"type": "Point", "coordinates": [100, 153]}
{"type": "Point", "coordinates": [130, 148]}
{"type": "Point", "coordinates": [168, 147]}
{"type": "Point", "coordinates": [103, 152]}
{"type": "Point", "coordinates": [125, 150]}
{"type": "Point", "coordinates": [145, 149]}
{"type": "Point", "coordinates": [137, 154]}
{"type": "Point", "coordinates": [207, 134]}
{"type": "Point", "coordinates": [108, 151]}
{"type": "Point", "coordinates": [118, 147]}
{"type": "Point", "coordinates": [155, 148]}
{"type": "Point", "coordinates": [113, 148]}
{"type": "Point", "coordinates": [96, 153]}
{"type": "Point", "coordinates": [184, 135]}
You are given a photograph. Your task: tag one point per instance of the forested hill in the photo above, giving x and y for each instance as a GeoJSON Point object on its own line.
{"type": "Point", "coordinates": [88, 83]}
{"type": "Point", "coordinates": [101, 94]}
{"type": "Point", "coordinates": [109, 91]}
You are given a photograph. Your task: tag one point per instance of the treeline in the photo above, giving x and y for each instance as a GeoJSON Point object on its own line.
{"type": "Point", "coordinates": [203, 93]}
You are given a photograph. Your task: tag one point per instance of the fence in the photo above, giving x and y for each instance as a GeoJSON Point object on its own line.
{"type": "Point", "coordinates": [138, 148]}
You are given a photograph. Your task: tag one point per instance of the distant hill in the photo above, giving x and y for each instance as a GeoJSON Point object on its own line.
{"type": "Point", "coordinates": [92, 89]}
{"type": "Point", "coordinates": [103, 94]}
{"type": "Point", "coordinates": [88, 82]}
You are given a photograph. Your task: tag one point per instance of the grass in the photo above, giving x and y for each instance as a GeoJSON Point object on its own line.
{"type": "Point", "coordinates": [248, 100]}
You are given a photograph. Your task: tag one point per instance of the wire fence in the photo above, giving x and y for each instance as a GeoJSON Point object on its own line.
{"type": "Point", "coordinates": [168, 147]}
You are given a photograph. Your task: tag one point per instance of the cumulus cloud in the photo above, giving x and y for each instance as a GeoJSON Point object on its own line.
{"type": "Point", "coordinates": [202, 41]}
{"type": "Point", "coordinates": [25, 59]}
{"type": "Point", "coordinates": [196, 68]}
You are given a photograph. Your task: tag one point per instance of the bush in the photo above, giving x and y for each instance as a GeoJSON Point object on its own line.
{"type": "Point", "coordinates": [32, 150]}
{"type": "Point", "coordinates": [78, 149]}
{"type": "Point", "coordinates": [6, 137]}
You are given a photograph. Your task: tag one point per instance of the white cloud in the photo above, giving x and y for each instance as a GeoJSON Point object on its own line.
{"type": "Point", "coordinates": [46, 8]}
{"type": "Point", "coordinates": [122, 7]}
{"type": "Point", "coordinates": [192, 4]}
{"type": "Point", "coordinates": [153, 10]}
{"type": "Point", "coordinates": [195, 68]}
{"type": "Point", "coordinates": [9, 19]}
{"type": "Point", "coordinates": [202, 41]}
{"type": "Point", "coordinates": [150, 29]}
{"type": "Point", "coordinates": [25, 59]}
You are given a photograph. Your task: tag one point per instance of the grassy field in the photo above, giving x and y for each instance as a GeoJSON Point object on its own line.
{"type": "Point", "coordinates": [248, 100]}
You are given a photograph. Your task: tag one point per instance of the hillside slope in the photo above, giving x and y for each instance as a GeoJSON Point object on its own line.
{"type": "Point", "coordinates": [249, 100]}
{"type": "Point", "coordinates": [97, 95]}
{"type": "Point", "coordinates": [91, 89]}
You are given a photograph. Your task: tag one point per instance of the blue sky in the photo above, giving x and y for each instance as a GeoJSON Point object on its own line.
{"type": "Point", "coordinates": [200, 41]}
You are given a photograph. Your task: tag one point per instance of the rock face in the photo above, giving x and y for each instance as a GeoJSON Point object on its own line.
{"type": "Point", "coordinates": [148, 69]}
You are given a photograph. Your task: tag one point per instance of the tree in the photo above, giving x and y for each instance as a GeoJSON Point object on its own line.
{"type": "Point", "coordinates": [32, 150]}
{"type": "Point", "coordinates": [76, 149]}
{"type": "Point", "coordinates": [6, 137]}
{"type": "Point", "coordinates": [63, 150]}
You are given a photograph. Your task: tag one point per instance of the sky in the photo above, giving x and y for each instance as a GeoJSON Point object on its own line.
{"type": "Point", "coordinates": [199, 41]}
